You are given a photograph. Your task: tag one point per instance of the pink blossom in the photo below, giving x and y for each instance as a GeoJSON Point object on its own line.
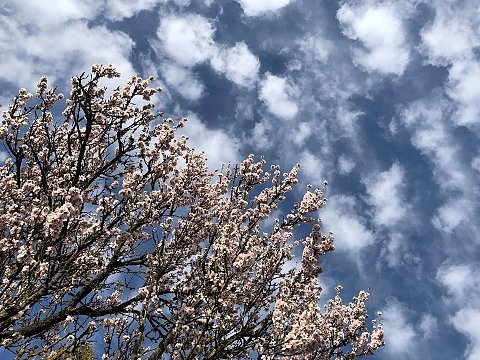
{"type": "Point", "coordinates": [111, 224]}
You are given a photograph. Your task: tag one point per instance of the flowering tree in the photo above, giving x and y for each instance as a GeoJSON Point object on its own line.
{"type": "Point", "coordinates": [113, 232]}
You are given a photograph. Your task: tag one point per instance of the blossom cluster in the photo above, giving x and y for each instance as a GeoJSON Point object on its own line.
{"type": "Point", "coordinates": [111, 224]}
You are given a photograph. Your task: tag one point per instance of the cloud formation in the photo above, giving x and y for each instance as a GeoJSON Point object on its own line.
{"type": "Point", "coordinates": [256, 8]}
{"type": "Point", "coordinates": [219, 146]}
{"type": "Point", "coordinates": [401, 335]}
{"type": "Point", "coordinates": [39, 36]}
{"type": "Point", "coordinates": [120, 9]}
{"type": "Point", "coordinates": [380, 30]}
{"type": "Point", "coordinates": [238, 64]}
{"type": "Point", "coordinates": [385, 194]}
{"type": "Point", "coordinates": [467, 322]}
{"type": "Point", "coordinates": [451, 40]}
{"type": "Point", "coordinates": [183, 81]}
{"type": "Point", "coordinates": [188, 40]}
{"type": "Point", "coordinates": [348, 226]}
{"type": "Point", "coordinates": [345, 165]}
{"type": "Point", "coordinates": [277, 93]}
{"type": "Point", "coordinates": [462, 282]}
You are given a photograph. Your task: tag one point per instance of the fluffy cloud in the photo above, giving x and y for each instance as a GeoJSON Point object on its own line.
{"type": "Point", "coordinates": [381, 31]}
{"type": "Point", "coordinates": [451, 40]}
{"type": "Point", "coordinates": [183, 81]}
{"type": "Point", "coordinates": [27, 53]}
{"type": "Point", "coordinates": [467, 322]}
{"type": "Point", "coordinates": [462, 282]}
{"type": "Point", "coordinates": [400, 335]}
{"type": "Point", "coordinates": [345, 165]}
{"type": "Point", "coordinates": [48, 14]}
{"type": "Point", "coordinates": [260, 135]}
{"type": "Point", "coordinates": [187, 39]}
{"type": "Point", "coordinates": [463, 87]}
{"type": "Point", "coordinates": [347, 119]}
{"type": "Point", "coordinates": [219, 147]}
{"type": "Point", "coordinates": [452, 213]}
{"type": "Point", "coordinates": [277, 95]}
{"type": "Point", "coordinates": [316, 47]}
{"type": "Point", "coordinates": [450, 36]}
{"type": "Point", "coordinates": [385, 194]}
{"type": "Point", "coordinates": [311, 168]}
{"type": "Point", "coordinates": [256, 7]}
{"type": "Point", "coordinates": [432, 134]}
{"type": "Point", "coordinates": [463, 286]}
{"type": "Point", "coordinates": [341, 217]}
{"type": "Point", "coordinates": [238, 63]}
{"type": "Point", "coordinates": [119, 9]}
{"type": "Point", "coordinates": [301, 133]}
{"type": "Point", "coordinates": [428, 325]}
{"type": "Point", "coordinates": [476, 163]}
{"type": "Point", "coordinates": [394, 249]}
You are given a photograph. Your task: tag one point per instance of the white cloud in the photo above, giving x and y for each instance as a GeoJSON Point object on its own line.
{"type": "Point", "coordinates": [185, 3]}
{"type": "Point", "coordinates": [341, 217]}
{"type": "Point", "coordinates": [400, 335]}
{"type": "Point", "coordinates": [238, 63]}
{"type": "Point", "coordinates": [428, 119]}
{"type": "Point", "coordinates": [394, 249]}
{"type": "Point", "coordinates": [450, 36]}
{"type": "Point", "coordinates": [385, 194]}
{"type": "Point", "coordinates": [219, 147]}
{"type": "Point", "coordinates": [183, 81]}
{"type": "Point", "coordinates": [345, 165]}
{"type": "Point", "coordinates": [257, 7]}
{"type": "Point", "coordinates": [450, 40]}
{"type": "Point", "coordinates": [316, 48]}
{"type": "Point", "coordinates": [311, 168]}
{"type": "Point", "coordinates": [347, 119]}
{"type": "Point", "coordinates": [260, 137]}
{"type": "Point", "coordinates": [436, 142]}
{"type": "Point", "coordinates": [463, 87]}
{"type": "Point", "coordinates": [277, 94]}
{"type": "Point", "coordinates": [428, 325]}
{"type": "Point", "coordinates": [452, 213]}
{"type": "Point", "coordinates": [26, 55]}
{"type": "Point", "coordinates": [462, 282]}
{"type": "Point", "coordinates": [432, 136]}
{"type": "Point", "coordinates": [119, 9]}
{"type": "Point", "coordinates": [41, 15]}
{"type": "Point", "coordinates": [463, 286]}
{"type": "Point", "coordinates": [244, 108]}
{"type": "Point", "coordinates": [303, 131]}
{"type": "Point", "coordinates": [467, 322]}
{"type": "Point", "coordinates": [381, 31]}
{"type": "Point", "coordinates": [476, 163]}
{"type": "Point", "coordinates": [187, 39]}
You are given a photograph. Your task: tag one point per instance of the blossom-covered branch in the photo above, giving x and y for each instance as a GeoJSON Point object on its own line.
{"type": "Point", "coordinates": [113, 231]}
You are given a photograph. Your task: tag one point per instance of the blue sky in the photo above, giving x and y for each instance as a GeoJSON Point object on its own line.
{"type": "Point", "coordinates": [381, 98]}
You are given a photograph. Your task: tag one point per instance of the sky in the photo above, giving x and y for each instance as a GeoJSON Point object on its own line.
{"type": "Point", "coordinates": [380, 98]}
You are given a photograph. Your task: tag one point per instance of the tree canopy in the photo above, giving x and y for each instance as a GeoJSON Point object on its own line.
{"type": "Point", "coordinates": [114, 233]}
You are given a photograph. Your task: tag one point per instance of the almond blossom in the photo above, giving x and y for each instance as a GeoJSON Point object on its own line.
{"type": "Point", "coordinates": [113, 231]}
